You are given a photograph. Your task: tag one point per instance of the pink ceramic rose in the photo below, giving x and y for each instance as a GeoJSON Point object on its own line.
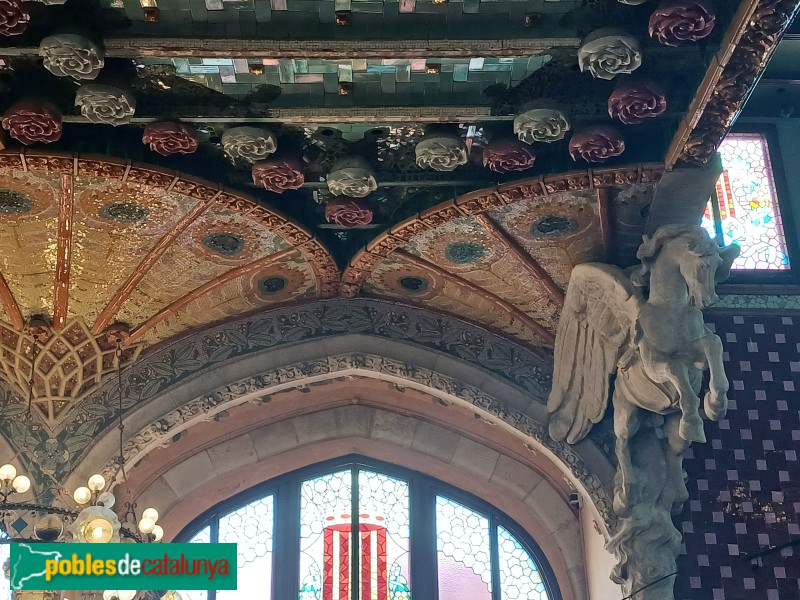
{"type": "Point", "coordinates": [170, 138]}
{"type": "Point", "coordinates": [677, 22]}
{"type": "Point", "coordinates": [348, 212]}
{"type": "Point", "coordinates": [596, 144]}
{"type": "Point", "coordinates": [278, 175]}
{"type": "Point", "coordinates": [13, 18]}
{"type": "Point", "coordinates": [634, 102]}
{"type": "Point", "coordinates": [31, 121]}
{"type": "Point", "coordinates": [507, 155]}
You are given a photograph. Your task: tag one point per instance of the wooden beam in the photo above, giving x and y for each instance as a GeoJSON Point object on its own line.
{"type": "Point", "coordinates": [204, 289]}
{"type": "Point", "coordinates": [143, 268]}
{"type": "Point", "coordinates": [606, 228]}
{"type": "Point", "coordinates": [534, 325]}
{"type": "Point", "coordinates": [66, 210]}
{"type": "Point", "coordinates": [10, 306]}
{"type": "Point", "coordinates": [531, 264]}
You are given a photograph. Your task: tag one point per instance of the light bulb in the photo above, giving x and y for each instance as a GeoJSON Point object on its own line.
{"type": "Point", "coordinates": [158, 533]}
{"type": "Point", "coordinates": [171, 595]}
{"type": "Point", "coordinates": [21, 484]}
{"type": "Point", "coordinates": [107, 499]}
{"type": "Point", "coordinates": [126, 594]}
{"type": "Point", "coordinates": [82, 495]}
{"type": "Point", "coordinates": [146, 525]}
{"type": "Point", "coordinates": [98, 531]}
{"type": "Point", "coordinates": [97, 482]}
{"type": "Point", "coordinates": [8, 472]}
{"type": "Point", "coordinates": [150, 513]}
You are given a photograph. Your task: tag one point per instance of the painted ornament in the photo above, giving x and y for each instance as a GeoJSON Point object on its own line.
{"type": "Point", "coordinates": [105, 104]}
{"type": "Point", "coordinates": [351, 176]}
{"type": "Point", "coordinates": [278, 175]}
{"type": "Point", "coordinates": [607, 53]}
{"type": "Point", "coordinates": [32, 121]}
{"type": "Point", "coordinates": [170, 138]}
{"type": "Point", "coordinates": [248, 144]}
{"type": "Point", "coordinates": [635, 102]}
{"type": "Point", "coordinates": [508, 155]}
{"type": "Point", "coordinates": [596, 144]}
{"type": "Point", "coordinates": [70, 55]}
{"type": "Point", "coordinates": [677, 22]}
{"type": "Point", "coordinates": [441, 152]}
{"type": "Point", "coordinates": [13, 18]}
{"type": "Point", "coordinates": [347, 212]}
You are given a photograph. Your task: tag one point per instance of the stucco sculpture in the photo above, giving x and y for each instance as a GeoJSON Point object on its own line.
{"type": "Point", "coordinates": [644, 328]}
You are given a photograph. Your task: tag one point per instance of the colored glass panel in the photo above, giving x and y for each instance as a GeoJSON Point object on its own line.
{"type": "Point", "coordinates": [384, 537]}
{"type": "Point", "coordinates": [748, 204]}
{"type": "Point", "coordinates": [201, 537]}
{"type": "Point", "coordinates": [325, 521]}
{"type": "Point", "coordinates": [464, 565]}
{"type": "Point", "coordinates": [520, 578]}
{"type": "Point", "coordinates": [250, 527]}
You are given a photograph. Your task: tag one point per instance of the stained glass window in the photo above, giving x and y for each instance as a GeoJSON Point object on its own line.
{"type": "Point", "coordinates": [463, 560]}
{"type": "Point", "coordinates": [250, 527]}
{"type": "Point", "coordinates": [520, 578]}
{"type": "Point", "coordinates": [746, 210]}
{"type": "Point", "coordinates": [201, 537]}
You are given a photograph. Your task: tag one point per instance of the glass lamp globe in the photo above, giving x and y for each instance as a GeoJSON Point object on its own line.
{"type": "Point", "coordinates": [82, 495]}
{"type": "Point", "coordinates": [8, 472]}
{"type": "Point", "coordinates": [171, 595]}
{"type": "Point", "coordinates": [150, 513]}
{"type": "Point", "coordinates": [96, 525]}
{"type": "Point", "coordinates": [21, 484]}
{"type": "Point", "coordinates": [119, 594]}
{"type": "Point", "coordinates": [146, 525]}
{"type": "Point", "coordinates": [96, 483]}
{"type": "Point", "coordinates": [107, 499]}
{"type": "Point", "coordinates": [158, 533]}
{"type": "Point", "coordinates": [98, 531]}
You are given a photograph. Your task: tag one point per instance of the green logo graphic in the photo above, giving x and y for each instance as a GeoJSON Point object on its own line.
{"type": "Point", "coordinates": [123, 566]}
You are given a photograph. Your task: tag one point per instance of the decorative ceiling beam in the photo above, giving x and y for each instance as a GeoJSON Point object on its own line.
{"type": "Point", "coordinates": [182, 302]}
{"type": "Point", "coordinates": [10, 306]}
{"type": "Point", "coordinates": [540, 330]}
{"type": "Point", "coordinates": [63, 251]}
{"type": "Point", "coordinates": [748, 45]}
{"type": "Point", "coordinates": [529, 262]}
{"type": "Point", "coordinates": [143, 268]}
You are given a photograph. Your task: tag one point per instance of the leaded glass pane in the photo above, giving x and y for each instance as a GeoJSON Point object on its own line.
{"type": "Point", "coordinates": [325, 522]}
{"type": "Point", "coordinates": [748, 203]}
{"type": "Point", "coordinates": [250, 527]}
{"type": "Point", "coordinates": [201, 537]}
{"type": "Point", "coordinates": [463, 554]}
{"type": "Point", "coordinates": [520, 578]}
{"type": "Point", "coordinates": [384, 543]}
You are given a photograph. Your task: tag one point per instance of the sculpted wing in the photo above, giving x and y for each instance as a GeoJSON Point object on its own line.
{"type": "Point", "coordinates": [596, 328]}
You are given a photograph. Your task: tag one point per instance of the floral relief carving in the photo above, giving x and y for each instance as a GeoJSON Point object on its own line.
{"type": "Point", "coordinates": [278, 174]}
{"type": "Point", "coordinates": [348, 212]}
{"type": "Point", "coordinates": [170, 138]}
{"type": "Point", "coordinates": [541, 125]}
{"type": "Point", "coordinates": [677, 22]}
{"type": "Point", "coordinates": [351, 176]}
{"type": "Point", "coordinates": [508, 155]}
{"type": "Point", "coordinates": [71, 55]}
{"type": "Point", "coordinates": [607, 53]}
{"type": "Point", "coordinates": [13, 18]}
{"type": "Point", "coordinates": [596, 144]}
{"type": "Point", "coordinates": [441, 152]}
{"type": "Point", "coordinates": [32, 121]}
{"type": "Point", "coordinates": [248, 144]}
{"type": "Point", "coordinates": [105, 104]}
{"type": "Point", "coordinates": [635, 102]}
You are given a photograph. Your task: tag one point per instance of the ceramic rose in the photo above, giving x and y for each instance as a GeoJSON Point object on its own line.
{"type": "Point", "coordinates": [635, 102]}
{"type": "Point", "coordinates": [170, 138]}
{"type": "Point", "coordinates": [352, 177]}
{"type": "Point", "coordinates": [441, 152]}
{"type": "Point", "coordinates": [508, 155]}
{"type": "Point", "coordinates": [30, 121]}
{"type": "Point", "coordinates": [13, 18]}
{"type": "Point", "coordinates": [105, 104]}
{"type": "Point", "coordinates": [541, 125]}
{"type": "Point", "coordinates": [70, 55]}
{"type": "Point", "coordinates": [248, 144]}
{"type": "Point", "coordinates": [348, 213]}
{"type": "Point", "coordinates": [596, 144]}
{"type": "Point", "coordinates": [607, 53]}
{"type": "Point", "coordinates": [278, 175]}
{"type": "Point", "coordinates": [677, 22]}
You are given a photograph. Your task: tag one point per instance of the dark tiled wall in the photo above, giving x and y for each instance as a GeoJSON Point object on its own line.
{"type": "Point", "coordinates": [744, 484]}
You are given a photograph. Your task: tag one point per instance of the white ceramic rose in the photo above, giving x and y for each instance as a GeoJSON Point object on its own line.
{"type": "Point", "coordinates": [249, 144]}
{"type": "Point", "coordinates": [71, 55]}
{"type": "Point", "coordinates": [441, 152]}
{"type": "Point", "coordinates": [607, 53]}
{"type": "Point", "coordinates": [541, 125]}
{"type": "Point", "coordinates": [105, 104]}
{"type": "Point", "coordinates": [351, 177]}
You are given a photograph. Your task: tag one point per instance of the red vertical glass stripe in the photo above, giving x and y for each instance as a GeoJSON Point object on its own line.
{"type": "Point", "coordinates": [383, 585]}
{"type": "Point", "coordinates": [344, 565]}
{"type": "Point", "coordinates": [327, 581]}
{"type": "Point", "coordinates": [366, 564]}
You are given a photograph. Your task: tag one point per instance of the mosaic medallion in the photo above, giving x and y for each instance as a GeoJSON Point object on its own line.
{"type": "Point", "coordinates": [271, 285]}
{"type": "Point", "coordinates": [12, 202]}
{"type": "Point", "coordinates": [127, 213]}
{"type": "Point", "coordinates": [226, 244]}
{"type": "Point", "coordinates": [553, 226]}
{"type": "Point", "coordinates": [462, 253]}
{"type": "Point", "coordinates": [413, 284]}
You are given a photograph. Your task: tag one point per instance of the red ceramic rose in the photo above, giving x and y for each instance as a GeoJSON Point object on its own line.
{"type": "Point", "coordinates": [677, 22]}
{"type": "Point", "coordinates": [634, 102]}
{"type": "Point", "coordinates": [507, 155]}
{"type": "Point", "coordinates": [30, 121]}
{"type": "Point", "coordinates": [348, 212]}
{"type": "Point", "coordinates": [278, 175]}
{"type": "Point", "coordinates": [13, 18]}
{"type": "Point", "coordinates": [170, 138]}
{"type": "Point", "coordinates": [596, 144]}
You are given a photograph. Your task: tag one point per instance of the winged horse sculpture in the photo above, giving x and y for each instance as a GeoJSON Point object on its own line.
{"type": "Point", "coordinates": [637, 339]}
